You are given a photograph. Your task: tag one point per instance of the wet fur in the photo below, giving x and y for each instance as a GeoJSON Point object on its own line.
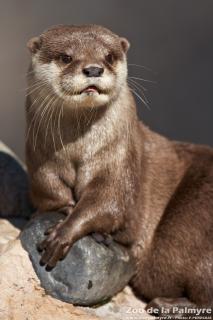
{"type": "Point", "coordinates": [114, 175]}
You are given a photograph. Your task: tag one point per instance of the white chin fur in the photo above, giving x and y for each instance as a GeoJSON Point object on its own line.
{"type": "Point", "coordinates": [86, 100]}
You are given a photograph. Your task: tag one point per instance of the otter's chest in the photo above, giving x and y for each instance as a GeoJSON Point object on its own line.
{"type": "Point", "coordinates": [90, 158]}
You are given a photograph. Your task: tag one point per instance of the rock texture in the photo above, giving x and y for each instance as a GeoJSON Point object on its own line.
{"type": "Point", "coordinates": [14, 199]}
{"type": "Point", "coordinates": [22, 298]}
{"type": "Point", "coordinates": [7, 233]}
{"type": "Point", "coordinates": [90, 274]}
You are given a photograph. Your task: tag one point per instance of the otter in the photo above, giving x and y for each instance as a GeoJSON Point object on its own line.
{"type": "Point", "coordinates": [91, 158]}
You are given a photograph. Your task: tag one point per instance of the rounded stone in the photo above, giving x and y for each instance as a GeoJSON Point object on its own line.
{"type": "Point", "coordinates": [90, 274]}
{"type": "Point", "coordinates": [14, 189]}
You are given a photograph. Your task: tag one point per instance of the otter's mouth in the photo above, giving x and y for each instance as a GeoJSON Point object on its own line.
{"type": "Point", "coordinates": [90, 90]}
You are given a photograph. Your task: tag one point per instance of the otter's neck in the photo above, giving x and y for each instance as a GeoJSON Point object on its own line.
{"type": "Point", "coordinates": [103, 125]}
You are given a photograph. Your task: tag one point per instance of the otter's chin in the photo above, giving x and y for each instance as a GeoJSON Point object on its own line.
{"type": "Point", "coordinates": [90, 99]}
{"type": "Point", "coordinates": [87, 99]}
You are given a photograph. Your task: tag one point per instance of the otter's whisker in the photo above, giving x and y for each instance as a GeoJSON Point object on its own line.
{"type": "Point", "coordinates": [142, 79]}
{"type": "Point", "coordinates": [38, 118]}
{"type": "Point", "coordinates": [138, 84]}
{"type": "Point", "coordinates": [139, 89]}
{"type": "Point", "coordinates": [141, 99]}
{"type": "Point", "coordinates": [29, 72]}
{"type": "Point", "coordinates": [56, 121]}
{"type": "Point", "coordinates": [48, 115]}
{"type": "Point", "coordinates": [30, 108]}
{"type": "Point", "coordinates": [34, 89]}
{"type": "Point", "coordinates": [45, 109]}
{"type": "Point", "coordinates": [36, 85]}
{"type": "Point", "coordinates": [59, 125]}
{"type": "Point", "coordinates": [52, 124]}
{"type": "Point", "coordinates": [76, 113]}
{"type": "Point", "coordinates": [35, 116]}
{"type": "Point", "coordinates": [141, 66]}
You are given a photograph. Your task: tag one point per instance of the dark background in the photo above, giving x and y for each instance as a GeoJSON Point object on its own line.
{"type": "Point", "coordinates": [174, 38]}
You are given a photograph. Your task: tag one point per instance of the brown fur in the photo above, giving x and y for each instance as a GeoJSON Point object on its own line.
{"type": "Point", "coordinates": [114, 175]}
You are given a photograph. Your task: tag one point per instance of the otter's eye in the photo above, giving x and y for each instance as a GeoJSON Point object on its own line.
{"type": "Point", "coordinates": [65, 58]}
{"type": "Point", "coordinates": [110, 58]}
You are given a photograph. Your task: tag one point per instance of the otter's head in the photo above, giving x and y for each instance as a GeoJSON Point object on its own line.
{"type": "Point", "coordinates": [84, 65]}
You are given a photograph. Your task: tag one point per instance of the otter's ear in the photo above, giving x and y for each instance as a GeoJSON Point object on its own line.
{"type": "Point", "coordinates": [34, 44]}
{"type": "Point", "coordinates": [125, 44]}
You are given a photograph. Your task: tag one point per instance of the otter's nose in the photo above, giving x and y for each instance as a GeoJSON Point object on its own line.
{"type": "Point", "coordinates": [93, 71]}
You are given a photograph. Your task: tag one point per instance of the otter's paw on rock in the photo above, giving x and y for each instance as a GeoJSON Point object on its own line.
{"type": "Point", "coordinates": [14, 200]}
{"type": "Point", "coordinates": [90, 274]}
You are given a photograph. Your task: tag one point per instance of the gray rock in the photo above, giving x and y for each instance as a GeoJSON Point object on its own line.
{"type": "Point", "coordinates": [14, 198]}
{"type": "Point", "coordinates": [90, 274]}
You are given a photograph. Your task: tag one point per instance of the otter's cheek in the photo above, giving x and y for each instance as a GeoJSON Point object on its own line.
{"type": "Point", "coordinates": [47, 72]}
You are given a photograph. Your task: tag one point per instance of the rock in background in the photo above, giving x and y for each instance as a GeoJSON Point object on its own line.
{"type": "Point", "coordinates": [14, 191]}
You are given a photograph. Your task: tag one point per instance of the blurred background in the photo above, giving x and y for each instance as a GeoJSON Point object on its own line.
{"type": "Point", "coordinates": [173, 38]}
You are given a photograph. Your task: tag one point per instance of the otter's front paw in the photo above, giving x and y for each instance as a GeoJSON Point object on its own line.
{"type": "Point", "coordinates": [56, 245]}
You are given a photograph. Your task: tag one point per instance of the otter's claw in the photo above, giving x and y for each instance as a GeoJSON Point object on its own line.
{"type": "Point", "coordinates": [56, 245]}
